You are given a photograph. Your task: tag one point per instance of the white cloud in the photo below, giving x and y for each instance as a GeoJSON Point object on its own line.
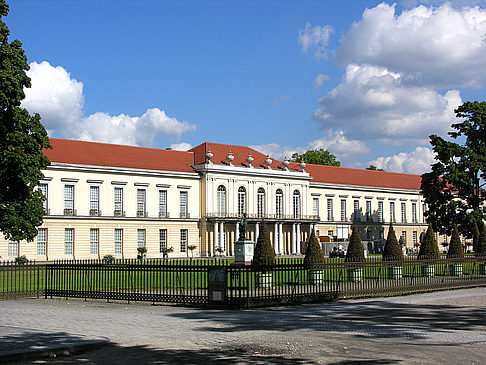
{"type": "Point", "coordinates": [315, 39]}
{"type": "Point", "coordinates": [443, 47]}
{"type": "Point", "coordinates": [280, 100]}
{"type": "Point", "coordinates": [59, 100]}
{"type": "Point", "coordinates": [376, 104]}
{"type": "Point", "coordinates": [319, 80]}
{"type": "Point", "coordinates": [416, 162]}
{"type": "Point", "coordinates": [181, 146]}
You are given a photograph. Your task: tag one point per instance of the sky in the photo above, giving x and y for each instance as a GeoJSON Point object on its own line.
{"type": "Point", "coordinates": [367, 80]}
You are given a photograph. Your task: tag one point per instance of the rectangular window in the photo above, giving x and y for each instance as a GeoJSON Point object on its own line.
{"type": "Point", "coordinates": [94, 241]}
{"type": "Point", "coordinates": [183, 240]}
{"type": "Point", "coordinates": [41, 241]}
{"type": "Point", "coordinates": [414, 238]}
{"type": "Point", "coordinates": [414, 213]}
{"type": "Point", "coordinates": [380, 211]}
{"type": "Point", "coordinates": [369, 218]}
{"type": "Point", "coordinates": [68, 241]}
{"type": "Point", "coordinates": [141, 203]}
{"type": "Point", "coordinates": [118, 241]}
{"type": "Point", "coordinates": [330, 233]}
{"type": "Point", "coordinates": [368, 235]}
{"type": "Point", "coordinates": [343, 210]}
{"type": "Point", "coordinates": [163, 204]}
{"type": "Point", "coordinates": [44, 190]}
{"type": "Point", "coordinates": [118, 202]}
{"type": "Point", "coordinates": [162, 240]}
{"type": "Point", "coordinates": [315, 207]}
{"type": "Point", "coordinates": [392, 212]}
{"type": "Point", "coordinates": [381, 234]}
{"type": "Point", "coordinates": [356, 214]}
{"type": "Point", "coordinates": [424, 209]}
{"type": "Point", "coordinates": [329, 210]}
{"type": "Point", "coordinates": [13, 249]}
{"type": "Point", "coordinates": [403, 237]}
{"type": "Point", "coordinates": [68, 199]}
{"type": "Point", "coordinates": [140, 237]}
{"type": "Point", "coordinates": [94, 200]}
{"type": "Point", "coordinates": [183, 205]}
{"type": "Point", "coordinates": [404, 212]}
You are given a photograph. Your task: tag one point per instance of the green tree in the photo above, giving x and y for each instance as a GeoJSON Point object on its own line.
{"type": "Point", "coordinates": [392, 250]}
{"type": "Point", "coordinates": [453, 190]}
{"type": "Point", "coordinates": [355, 251]}
{"type": "Point", "coordinates": [22, 138]}
{"type": "Point", "coordinates": [263, 254]}
{"type": "Point", "coordinates": [317, 157]}
{"type": "Point", "coordinates": [429, 249]}
{"type": "Point", "coordinates": [481, 248]}
{"type": "Point", "coordinates": [374, 168]}
{"type": "Point", "coordinates": [313, 254]}
{"type": "Point", "coordinates": [455, 246]}
{"type": "Point", "coordinates": [476, 235]}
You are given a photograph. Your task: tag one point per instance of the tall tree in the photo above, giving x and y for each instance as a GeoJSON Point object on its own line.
{"type": "Point", "coordinates": [374, 168]}
{"type": "Point", "coordinates": [22, 138]}
{"type": "Point", "coordinates": [317, 157]}
{"type": "Point", "coordinates": [453, 190]}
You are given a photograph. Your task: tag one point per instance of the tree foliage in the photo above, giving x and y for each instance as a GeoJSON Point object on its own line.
{"type": "Point", "coordinates": [429, 249]}
{"type": "Point", "coordinates": [392, 250]}
{"type": "Point", "coordinates": [453, 190]}
{"type": "Point", "coordinates": [455, 246]}
{"type": "Point", "coordinates": [317, 157]}
{"type": "Point", "coordinates": [314, 254]}
{"type": "Point", "coordinates": [374, 168]}
{"type": "Point", "coordinates": [476, 235]}
{"type": "Point", "coordinates": [263, 254]}
{"type": "Point", "coordinates": [481, 248]}
{"type": "Point", "coordinates": [355, 251]}
{"type": "Point", "coordinates": [22, 138]}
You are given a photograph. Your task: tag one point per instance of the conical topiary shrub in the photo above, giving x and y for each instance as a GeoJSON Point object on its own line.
{"type": "Point", "coordinates": [429, 248]}
{"type": "Point", "coordinates": [455, 246]}
{"type": "Point", "coordinates": [355, 248]}
{"type": "Point", "coordinates": [392, 250]}
{"type": "Point", "coordinates": [264, 254]}
{"type": "Point", "coordinates": [314, 254]}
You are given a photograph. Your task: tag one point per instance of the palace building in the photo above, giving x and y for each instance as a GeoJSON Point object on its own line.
{"type": "Point", "coordinates": [110, 199]}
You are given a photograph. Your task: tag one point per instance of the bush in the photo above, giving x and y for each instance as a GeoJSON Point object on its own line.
{"type": "Point", "coordinates": [21, 260]}
{"type": "Point", "coordinates": [142, 252]}
{"type": "Point", "coordinates": [264, 254]}
{"type": "Point", "coordinates": [314, 254]}
{"type": "Point", "coordinates": [455, 246]}
{"type": "Point", "coordinates": [481, 252]}
{"type": "Point", "coordinates": [355, 248]}
{"type": "Point", "coordinates": [392, 250]}
{"type": "Point", "coordinates": [429, 248]}
{"type": "Point", "coordinates": [108, 259]}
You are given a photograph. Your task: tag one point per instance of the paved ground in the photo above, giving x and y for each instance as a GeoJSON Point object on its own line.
{"type": "Point", "coordinates": [444, 327]}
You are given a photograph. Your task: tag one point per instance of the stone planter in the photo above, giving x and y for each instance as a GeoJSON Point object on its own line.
{"type": "Point", "coordinates": [263, 280]}
{"type": "Point", "coordinates": [395, 272]}
{"type": "Point", "coordinates": [355, 275]}
{"type": "Point", "coordinates": [316, 277]}
{"type": "Point", "coordinates": [428, 271]}
{"type": "Point", "coordinates": [482, 269]}
{"type": "Point", "coordinates": [455, 269]}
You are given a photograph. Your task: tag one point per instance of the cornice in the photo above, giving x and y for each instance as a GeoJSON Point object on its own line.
{"type": "Point", "coordinates": [252, 171]}
{"type": "Point", "coordinates": [363, 188]}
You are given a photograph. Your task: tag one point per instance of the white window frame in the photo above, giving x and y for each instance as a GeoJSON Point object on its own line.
{"type": "Point", "coordinates": [183, 204]}
{"type": "Point", "coordinates": [41, 241]}
{"type": "Point", "coordinates": [118, 198]}
{"type": "Point", "coordinates": [183, 240]}
{"type": "Point", "coordinates": [241, 201]}
{"type": "Point", "coordinates": [221, 200]}
{"type": "Point", "coordinates": [162, 240]}
{"type": "Point", "coordinates": [380, 211]}
{"type": "Point", "coordinates": [392, 212]}
{"type": "Point", "coordinates": [44, 189]}
{"type": "Point", "coordinates": [356, 216]}
{"type": "Point", "coordinates": [13, 249]}
{"type": "Point", "coordinates": [330, 216]}
{"type": "Point", "coordinates": [260, 202]}
{"type": "Point", "coordinates": [315, 207]}
{"type": "Point", "coordinates": [69, 192]}
{"type": "Point", "coordinates": [414, 213]}
{"type": "Point", "coordinates": [141, 238]}
{"type": "Point", "coordinates": [343, 210]}
{"type": "Point", "coordinates": [118, 241]}
{"type": "Point", "coordinates": [369, 212]}
{"type": "Point", "coordinates": [279, 203]}
{"type": "Point", "coordinates": [163, 204]}
{"type": "Point", "coordinates": [94, 241]}
{"type": "Point", "coordinates": [69, 241]}
{"type": "Point", "coordinates": [94, 200]}
{"type": "Point", "coordinates": [141, 202]}
{"type": "Point", "coordinates": [403, 212]}
{"type": "Point", "coordinates": [296, 204]}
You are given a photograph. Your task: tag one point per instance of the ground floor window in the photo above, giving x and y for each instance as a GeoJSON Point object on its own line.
{"type": "Point", "coordinates": [94, 241]}
{"type": "Point", "coordinates": [13, 249]}
{"type": "Point", "coordinates": [141, 238]}
{"type": "Point", "coordinates": [42, 241]}
{"type": "Point", "coordinates": [118, 241]}
{"type": "Point", "coordinates": [183, 247]}
{"type": "Point", "coordinates": [68, 241]}
{"type": "Point", "coordinates": [162, 240]}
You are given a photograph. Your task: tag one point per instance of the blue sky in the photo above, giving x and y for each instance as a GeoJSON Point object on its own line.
{"type": "Point", "coordinates": [282, 76]}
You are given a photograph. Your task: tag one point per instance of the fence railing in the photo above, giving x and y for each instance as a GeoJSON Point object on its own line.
{"type": "Point", "coordinates": [218, 282]}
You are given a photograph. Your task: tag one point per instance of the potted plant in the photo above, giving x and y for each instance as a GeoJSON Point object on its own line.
{"type": "Point", "coordinates": [191, 248]}
{"type": "Point", "coordinates": [481, 250]}
{"type": "Point", "coordinates": [142, 252]}
{"type": "Point", "coordinates": [313, 257]}
{"type": "Point", "coordinates": [166, 251]}
{"type": "Point", "coordinates": [108, 259]}
{"type": "Point", "coordinates": [429, 250]}
{"type": "Point", "coordinates": [455, 251]}
{"type": "Point", "coordinates": [263, 257]}
{"type": "Point", "coordinates": [393, 252]}
{"type": "Point", "coordinates": [219, 251]}
{"type": "Point", "coordinates": [355, 253]}
{"type": "Point", "coordinates": [21, 260]}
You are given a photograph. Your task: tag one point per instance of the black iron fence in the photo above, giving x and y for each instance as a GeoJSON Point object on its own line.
{"type": "Point", "coordinates": [217, 282]}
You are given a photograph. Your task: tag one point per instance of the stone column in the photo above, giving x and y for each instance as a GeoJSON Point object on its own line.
{"type": "Point", "coordinates": [280, 239]}
{"type": "Point", "coordinates": [298, 238]}
{"type": "Point", "coordinates": [294, 239]}
{"type": "Point", "coordinates": [275, 239]}
{"type": "Point", "coordinates": [216, 237]}
{"type": "Point", "coordinates": [222, 242]}
{"type": "Point", "coordinates": [257, 231]}
{"type": "Point", "coordinates": [237, 231]}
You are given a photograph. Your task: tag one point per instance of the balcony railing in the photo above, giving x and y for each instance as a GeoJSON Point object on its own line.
{"type": "Point", "coordinates": [141, 214]}
{"type": "Point", "coordinates": [118, 213]}
{"type": "Point", "coordinates": [68, 211]}
{"type": "Point", "coordinates": [94, 212]}
{"type": "Point", "coordinates": [184, 215]}
{"type": "Point", "coordinates": [163, 214]}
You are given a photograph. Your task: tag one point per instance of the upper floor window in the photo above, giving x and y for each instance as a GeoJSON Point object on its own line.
{"type": "Point", "coordinates": [163, 204]}
{"type": "Point", "coordinates": [261, 202]}
{"type": "Point", "coordinates": [330, 216]}
{"type": "Point", "coordinates": [315, 207]}
{"type": "Point", "coordinates": [68, 199]}
{"type": "Point", "coordinates": [241, 201]}
{"type": "Point", "coordinates": [343, 210]}
{"type": "Point", "coordinates": [404, 212]}
{"type": "Point", "coordinates": [118, 202]}
{"type": "Point", "coordinates": [414, 213]}
{"type": "Point", "coordinates": [94, 200]}
{"type": "Point", "coordinates": [356, 213]}
{"type": "Point", "coordinates": [392, 212]}
{"type": "Point", "coordinates": [296, 205]}
{"type": "Point", "coordinates": [380, 211]}
{"type": "Point", "coordinates": [43, 188]}
{"type": "Point", "coordinates": [369, 217]}
{"type": "Point", "coordinates": [221, 201]}
{"type": "Point", "coordinates": [141, 202]}
{"type": "Point", "coordinates": [424, 210]}
{"type": "Point", "coordinates": [183, 208]}
{"type": "Point", "coordinates": [279, 203]}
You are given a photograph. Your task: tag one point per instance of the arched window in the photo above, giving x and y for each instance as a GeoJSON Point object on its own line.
{"type": "Point", "coordinates": [221, 200]}
{"type": "Point", "coordinates": [296, 205]}
{"type": "Point", "coordinates": [241, 201]}
{"type": "Point", "coordinates": [261, 202]}
{"type": "Point", "coordinates": [279, 203]}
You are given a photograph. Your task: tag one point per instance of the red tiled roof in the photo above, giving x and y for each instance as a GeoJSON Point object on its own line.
{"type": "Point", "coordinates": [102, 154]}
